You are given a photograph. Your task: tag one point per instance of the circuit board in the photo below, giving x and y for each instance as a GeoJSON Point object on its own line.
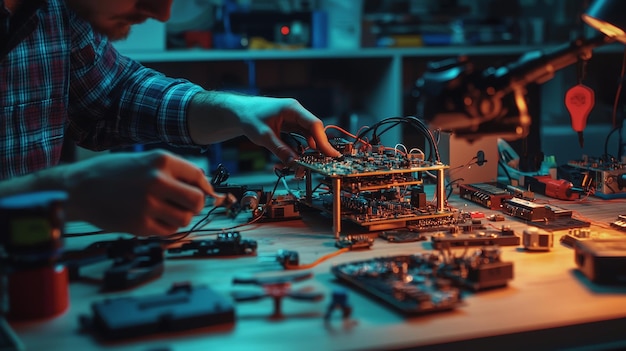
{"type": "Point", "coordinates": [489, 195]}
{"type": "Point", "coordinates": [487, 237]}
{"type": "Point", "coordinates": [428, 282]}
{"type": "Point", "coordinates": [544, 216]}
{"type": "Point", "coordinates": [378, 188]}
{"type": "Point", "coordinates": [607, 178]}
{"type": "Point", "coordinates": [405, 283]}
{"type": "Point", "coordinates": [586, 234]}
{"type": "Point", "coordinates": [366, 164]}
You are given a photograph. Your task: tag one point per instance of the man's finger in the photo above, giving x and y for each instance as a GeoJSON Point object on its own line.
{"type": "Point", "coordinates": [189, 173]}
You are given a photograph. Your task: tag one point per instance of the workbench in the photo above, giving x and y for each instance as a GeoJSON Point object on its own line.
{"type": "Point", "coordinates": [548, 304]}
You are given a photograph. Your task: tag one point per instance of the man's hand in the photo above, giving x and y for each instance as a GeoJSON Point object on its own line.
{"type": "Point", "coordinates": [148, 193]}
{"type": "Point", "coordinates": [215, 117]}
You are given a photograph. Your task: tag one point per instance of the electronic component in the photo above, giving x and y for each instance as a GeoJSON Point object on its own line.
{"type": "Point", "coordinates": [226, 244]}
{"type": "Point", "coordinates": [355, 242]}
{"type": "Point", "coordinates": [489, 195]}
{"type": "Point", "coordinates": [561, 189]}
{"type": "Point", "coordinates": [496, 218]}
{"type": "Point", "coordinates": [545, 216]}
{"type": "Point", "coordinates": [426, 282]}
{"type": "Point", "coordinates": [182, 307]}
{"type": "Point", "coordinates": [534, 239]}
{"type": "Point", "coordinates": [374, 187]}
{"type": "Point", "coordinates": [433, 224]}
{"type": "Point", "coordinates": [602, 261]}
{"type": "Point", "coordinates": [288, 258]}
{"type": "Point", "coordinates": [406, 283]}
{"type": "Point", "coordinates": [521, 193]}
{"type": "Point", "coordinates": [282, 207]}
{"type": "Point", "coordinates": [503, 237]}
{"type": "Point", "coordinates": [135, 262]}
{"type": "Point", "coordinates": [575, 235]}
{"type": "Point", "coordinates": [581, 234]}
{"type": "Point", "coordinates": [524, 209]}
{"type": "Point", "coordinates": [619, 223]}
{"type": "Point", "coordinates": [483, 269]}
{"type": "Point", "coordinates": [606, 178]}
{"type": "Point", "coordinates": [468, 225]}
{"type": "Point", "coordinates": [402, 236]}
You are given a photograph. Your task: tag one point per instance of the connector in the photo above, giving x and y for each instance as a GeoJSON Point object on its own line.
{"type": "Point", "coordinates": [355, 242]}
{"type": "Point", "coordinates": [288, 258]}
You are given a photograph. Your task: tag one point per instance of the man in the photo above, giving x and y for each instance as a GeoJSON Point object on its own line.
{"type": "Point", "coordinates": [59, 74]}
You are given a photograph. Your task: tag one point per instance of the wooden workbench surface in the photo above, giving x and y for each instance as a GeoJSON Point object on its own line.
{"type": "Point", "coordinates": [548, 304]}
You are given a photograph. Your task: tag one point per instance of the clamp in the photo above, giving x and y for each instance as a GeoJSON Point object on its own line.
{"type": "Point", "coordinates": [135, 262]}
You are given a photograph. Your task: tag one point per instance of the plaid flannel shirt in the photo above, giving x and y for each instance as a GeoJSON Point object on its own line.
{"type": "Point", "coordinates": [59, 78]}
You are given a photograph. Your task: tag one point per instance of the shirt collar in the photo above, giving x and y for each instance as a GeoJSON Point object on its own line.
{"type": "Point", "coordinates": [15, 27]}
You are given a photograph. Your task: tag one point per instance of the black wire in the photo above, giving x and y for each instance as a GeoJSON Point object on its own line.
{"type": "Point", "coordinates": [506, 171]}
{"type": "Point", "coordinates": [607, 156]}
{"type": "Point", "coordinates": [413, 121]}
{"type": "Point", "coordinates": [184, 234]}
{"type": "Point", "coordinates": [75, 235]}
{"type": "Point", "coordinates": [220, 175]}
{"type": "Point", "coordinates": [280, 174]}
{"type": "Point", "coordinates": [449, 185]}
{"type": "Point", "coordinates": [169, 237]}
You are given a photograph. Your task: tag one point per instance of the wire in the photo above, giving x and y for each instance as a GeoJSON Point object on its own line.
{"type": "Point", "coordinates": [220, 175]}
{"type": "Point", "coordinates": [392, 122]}
{"type": "Point", "coordinates": [184, 234]}
{"type": "Point", "coordinates": [75, 235]}
{"type": "Point", "coordinates": [250, 222]}
{"type": "Point", "coordinates": [418, 151]}
{"type": "Point", "coordinates": [504, 166]}
{"type": "Point", "coordinates": [395, 149]}
{"type": "Point", "coordinates": [318, 261]}
{"type": "Point", "coordinates": [450, 185]}
{"type": "Point", "coordinates": [619, 89]}
{"type": "Point", "coordinates": [356, 137]}
{"type": "Point", "coordinates": [615, 104]}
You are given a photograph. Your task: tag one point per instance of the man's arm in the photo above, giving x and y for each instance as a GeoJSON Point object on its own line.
{"type": "Point", "coordinates": [143, 193]}
{"type": "Point", "coordinates": [115, 100]}
{"type": "Point", "coordinates": [219, 116]}
{"type": "Point", "coordinates": [47, 179]}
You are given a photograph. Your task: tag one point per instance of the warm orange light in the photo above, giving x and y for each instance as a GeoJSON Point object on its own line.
{"type": "Point", "coordinates": [606, 28]}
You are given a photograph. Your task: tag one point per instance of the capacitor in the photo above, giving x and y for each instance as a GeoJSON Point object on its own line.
{"type": "Point", "coordinates": [537, 240]}
{"type": "Point", "coordinates": [249, 200]}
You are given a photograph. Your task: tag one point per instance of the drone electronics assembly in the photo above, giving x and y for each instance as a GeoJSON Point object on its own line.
{"type": "Point", "coordinates": [378, 191]}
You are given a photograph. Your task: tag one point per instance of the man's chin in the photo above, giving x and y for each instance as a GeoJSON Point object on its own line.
{"type": "Point", "coordinates": [117, 33]}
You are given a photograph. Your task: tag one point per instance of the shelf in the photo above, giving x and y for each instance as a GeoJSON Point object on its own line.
{"type": "Point", "coordinates": [304, 54]}
{"type": "Point", "coordinates": [365, 53]}
{"type": "Point", "coordinates": [371, 82]}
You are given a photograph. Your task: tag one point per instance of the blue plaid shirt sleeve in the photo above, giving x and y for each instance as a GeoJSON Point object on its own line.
{"type": "Point", "coordinates": [115, 101]}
